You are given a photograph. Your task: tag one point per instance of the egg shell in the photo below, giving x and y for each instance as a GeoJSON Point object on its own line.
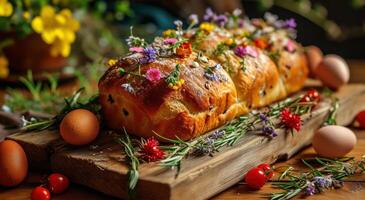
{"type": "Point", "coordinates": [333, 141]}
{"type": "Point", "coordinates": [79, 127]}
{"type": "Point", "coordinates": [333, 71]}
{"type": "Point", "coordinates": [314, 57]}
{"type": "Point", "coordinates": [13, 163]}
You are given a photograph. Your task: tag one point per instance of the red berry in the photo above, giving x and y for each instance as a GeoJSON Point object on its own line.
{"type": "Point", "coordinates": [360, 119]}
{"type": "Point", "coordinates": [58, 183]}
{"type": "Point", "coordinates": [267, 170]}
{"type": "Point", "coordinates": [311, 96]}
{"type": "Point", "coordinates": [255, 178]}
{"type": "Point", "coordinates": [40, 193]}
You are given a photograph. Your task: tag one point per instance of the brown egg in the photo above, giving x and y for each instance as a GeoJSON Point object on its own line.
{"type": "Point", "coordinates": [314, 57]}
{"type": "Point", "coordinates": [333, 141]}
{"type": "Point", "coordinates": [13, 163]}
{"type": "Point", "coordinates": [79, 127]}
{"type": "Point", "coordinates": [333, 71]}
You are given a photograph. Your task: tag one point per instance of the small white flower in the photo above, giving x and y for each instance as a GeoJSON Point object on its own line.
{"type": "Point", "coordinates": [193, 19]}
{"type": "Point", "coordinates": [237, 12]}
{"type": "Point", "coordinates": [195, 64]}
{"type": "Point", "coordinates": [270, 18]}
{"type": "Point", "coordinates": [127, 87]}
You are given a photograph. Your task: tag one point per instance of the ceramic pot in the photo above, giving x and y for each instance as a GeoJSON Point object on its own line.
{"type": "Point", "coordinates": [30, 53]}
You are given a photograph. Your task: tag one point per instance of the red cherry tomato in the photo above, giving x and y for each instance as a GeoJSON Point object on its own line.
{"type": "Point", "coordinates": [40, 193]}
{"type": "Point", "coordinates": [58, 183]}
{"type": "Point", "coordinates": [360, 119]}
{"type": "Point", "coordinates": [311, 96]}
{"type": "Point", "coordinates": [255, 178]}
{"type": "Point", "coordinates": [267, 170]}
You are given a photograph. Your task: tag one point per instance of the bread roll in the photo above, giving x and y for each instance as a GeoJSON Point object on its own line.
{"type": "Point", "coordinates": [218, 85]}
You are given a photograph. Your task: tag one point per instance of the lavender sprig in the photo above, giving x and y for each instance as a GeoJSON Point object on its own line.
{"type": "Point", "coordinates": [233, 132]}
{"type": "Point", "coordinates": [323, 174]}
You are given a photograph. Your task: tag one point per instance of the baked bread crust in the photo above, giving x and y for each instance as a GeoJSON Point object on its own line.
{"type": "Point", "coordinates": [204, 102]}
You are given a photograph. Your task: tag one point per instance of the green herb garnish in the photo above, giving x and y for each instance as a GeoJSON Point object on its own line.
{"type": "Point", "coordinates": [221, 48]}
{"type": "Point", "coordinates": [173, 77]}
{"type": "Point", "coordinates": [133, 161]}
{"type": "Point", "coordinates": [323, 174]}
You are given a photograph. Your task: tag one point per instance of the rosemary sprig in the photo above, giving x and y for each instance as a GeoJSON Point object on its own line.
{"type": "Point", "coordinates": [331, 118]}
{"type": "Point", "coordinates": [229, 134]}
{"type": "Point", "coordinates": [323, 174]}
{"type": "Point", "coordinates": [71, 103]}
{"type": "Point", "coordinates": [173, 77]}
{"type": "Point", "coordinates": [133, 161]}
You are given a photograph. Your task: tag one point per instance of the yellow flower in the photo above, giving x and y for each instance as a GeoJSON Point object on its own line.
{"type": "Point", "coordinates": [6, 9]}
{"type": "Point", "coordinates": [60, 47]}
{"type": "Point", "coordinates": [112, 62]}
{"type": "Point", "coordinates": [177, 85]}
{"type": "Point", "coordinates": [229, 41]}
{"type": "Point", "coordinates": [4, 70]}
{"type": "Point", "coordinates": [26, 15]}
{"type": "Point", "coordinates": [208, 27]}
{"type": "Point", "coordinates": [169, 33]}
{"type": "Point", "coordinates": [245, 34]}
{"type": "Point", "coordinates": [57, 29]}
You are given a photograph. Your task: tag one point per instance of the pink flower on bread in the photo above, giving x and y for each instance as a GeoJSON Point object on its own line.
{"type": "Point", "coordinates": [153, 75]}
{"type": "Point", "coordinates": [136, 49]}
{"type": "Point", "coordinates": [290, 46]}
{"type": "Point", "coordinates": [170, 40]}
{"type": "Point", "coordinates": [241, 51]}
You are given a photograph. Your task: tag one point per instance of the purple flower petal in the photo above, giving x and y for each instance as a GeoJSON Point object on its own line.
{"type": "Point", "coordinates": [290, 23]}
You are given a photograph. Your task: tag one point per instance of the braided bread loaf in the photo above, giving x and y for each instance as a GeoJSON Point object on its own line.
{"type": "Point", "coordinates": [193, 81]}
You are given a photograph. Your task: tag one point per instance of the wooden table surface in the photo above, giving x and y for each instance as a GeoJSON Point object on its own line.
{"type": "Point", "coordinates": [351, 190]}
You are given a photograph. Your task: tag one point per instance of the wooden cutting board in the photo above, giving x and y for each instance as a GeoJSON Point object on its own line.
{"type": "Point", "coordinates": [100, 165]}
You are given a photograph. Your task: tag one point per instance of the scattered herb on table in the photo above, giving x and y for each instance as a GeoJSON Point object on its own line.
{"type": "Point", "coordinates": [323, 174]}
{"type": "Point", "coordinates": [233, 131]}
{"type": "Point", "coordinates": [133, 161]}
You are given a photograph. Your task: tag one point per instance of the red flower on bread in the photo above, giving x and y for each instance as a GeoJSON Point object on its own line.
{"type": "Point", "coordinates": [290, 120]}
{"type": "Point", "coordinates": [150, 151]}
{"type": "Point", "coordinates": [184, 50]}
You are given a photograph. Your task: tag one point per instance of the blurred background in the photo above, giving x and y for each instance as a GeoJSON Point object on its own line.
{"type": "Point", "coordinates": [37, 59]}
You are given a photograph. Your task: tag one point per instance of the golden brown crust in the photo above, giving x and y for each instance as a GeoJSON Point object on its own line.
{"type": "Point", "coordinates": [198, 106]}
{"type": "Point", "coordinates": [201, 104]}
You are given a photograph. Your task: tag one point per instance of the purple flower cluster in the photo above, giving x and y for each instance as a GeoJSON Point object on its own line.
{"type": "Point", "coordinates": [267, 128]}
{"type": "Point", "coordinates": [290, 24]}
{"type": "Point", "coordinates": [240, 23]}
{"type": "Point", "coordinates": [323, 182]}
{"type": "Point", "coordinates": [311, 189]}
{"type": "Point", "coordinates": [208, 145]}
{"type": "Point", "coordinates": [221, 20]}
{"type": "Point", "coordinates": [210, 16]}
{"type": "Point", "coordinates": [210, 73]}
{"type": "Point", "coordinates": [149, 55]}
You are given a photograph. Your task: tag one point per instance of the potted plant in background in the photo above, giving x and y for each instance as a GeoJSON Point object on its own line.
{"type": "Point", "coordinates": [35, 36]}
{"type": "Point", "coordinates": [39, 35]}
